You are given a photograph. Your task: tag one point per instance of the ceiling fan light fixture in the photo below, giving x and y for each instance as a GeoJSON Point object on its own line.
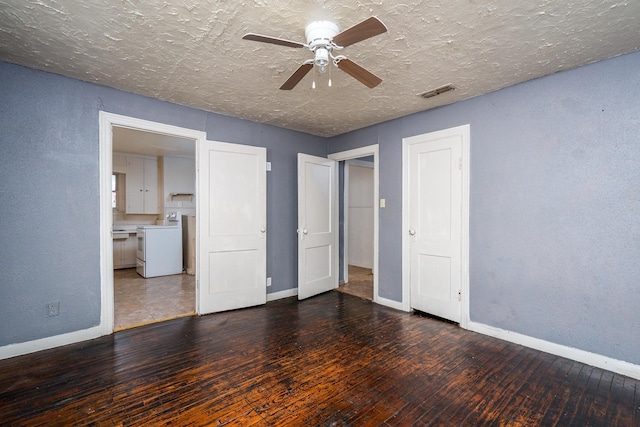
{"type": "Point", "coordinates": [322, 58]}
{"type": "Point", "coordinates": [323, 38]}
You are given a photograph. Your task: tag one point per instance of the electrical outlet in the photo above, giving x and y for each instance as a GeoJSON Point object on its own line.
{"type": "Point", "coordinates": [268, 281]}
{"type": "Point", "coordinates": [53, 308]}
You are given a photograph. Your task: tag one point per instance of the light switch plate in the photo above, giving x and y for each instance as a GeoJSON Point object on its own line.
{"type": "Point", "coordinates": [383, 203]}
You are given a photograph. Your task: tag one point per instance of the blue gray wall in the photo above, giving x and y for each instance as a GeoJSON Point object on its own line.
{"type": "Point", "coordinates": [49, 194]}
{"type": "Point", "coordinates": [555, 205]}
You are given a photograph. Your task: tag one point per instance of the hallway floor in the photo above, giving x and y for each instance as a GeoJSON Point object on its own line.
{"type": "Point", "coordinates": [360, 283]}
{"type": "Point", "coordinates": [139, 301]}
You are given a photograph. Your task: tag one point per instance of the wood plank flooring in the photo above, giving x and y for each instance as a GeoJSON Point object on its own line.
{"type": "Point", "coordinates": [332, 360]}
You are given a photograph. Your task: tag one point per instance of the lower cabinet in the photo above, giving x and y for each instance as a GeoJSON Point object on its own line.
{"type": "Point", "coordinates": [124, 250]}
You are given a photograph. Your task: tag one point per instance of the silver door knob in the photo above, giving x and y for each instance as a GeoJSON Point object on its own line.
{"type": "Point", "coordinates": [263, 230]}
{"type": "Point", "coordinates": [304, 231]}
{"type": "Point", "coordinates": [412, 232]}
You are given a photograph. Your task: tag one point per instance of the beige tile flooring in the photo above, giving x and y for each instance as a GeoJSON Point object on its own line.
{"type": "Point", "coordinates": [139, 301]}
{"type": "Point", "coordinates": [360, 283]}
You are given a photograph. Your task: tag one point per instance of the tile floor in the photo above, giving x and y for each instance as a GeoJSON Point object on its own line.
{"type": "Point", "coordinates": [139, 301]}
{"type": "Point", "coordinates": [360, 283]}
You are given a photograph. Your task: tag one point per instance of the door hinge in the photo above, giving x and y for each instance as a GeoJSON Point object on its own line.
{"type": "Point", "coordinates": [459, 295]}
{"type": "Point", "coordinates": [460, 163]}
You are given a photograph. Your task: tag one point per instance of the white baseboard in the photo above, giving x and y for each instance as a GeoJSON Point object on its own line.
{"type": "Point", "coordinates": [390, 303]}
{"type": "Point", "coordinates": [282, 294]}
{"type": "Point", "coordinates": [592, 359]}
{"type": "Point", "coordinates": [13, 350]}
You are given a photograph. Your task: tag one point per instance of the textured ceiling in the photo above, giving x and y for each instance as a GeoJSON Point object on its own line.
{"type": "Point", "coordinates": [190, 51]}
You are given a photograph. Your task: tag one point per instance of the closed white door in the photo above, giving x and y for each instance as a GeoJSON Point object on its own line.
{"type": "Point", "coordinates": [435, 223]}
{"type": "Point", "coordinates": [231, 226]}
{"type": "Point", "coordinates": [317, 225]}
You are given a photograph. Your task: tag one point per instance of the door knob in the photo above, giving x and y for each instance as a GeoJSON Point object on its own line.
{"type": "Point", "coordinates": [263, 230]}
{"type": "Point", "coordinates": [412, 232]}
{"type": "Point", "coordinates": [304, 231]}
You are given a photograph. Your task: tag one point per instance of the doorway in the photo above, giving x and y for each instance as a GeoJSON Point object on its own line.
{"type": "Point", "coordinates": [165, 167]}
{"type": "Point", "coordinates": [358, 270]}
{"type": "Point", "coordinates": [151, 140]}
{"type": "Point", "coordinates": [357, 205]}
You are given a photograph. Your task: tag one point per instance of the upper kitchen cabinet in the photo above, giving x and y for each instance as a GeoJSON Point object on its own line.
{"type": "Point", "coordinates": [142, 185]}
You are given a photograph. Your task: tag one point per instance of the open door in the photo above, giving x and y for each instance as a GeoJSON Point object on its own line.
{"type": "Point", "coordinates": [317, 225]}
{"type": "Point", "coordinates": [232, 261]}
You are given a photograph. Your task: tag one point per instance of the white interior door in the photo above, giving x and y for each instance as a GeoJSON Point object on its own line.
{"type": "Point", "coordinates": [317, 225]}
{"type": "Point", "coordinates": [435, 224]}
{"type": "Point", "coordinates": [231, 226]}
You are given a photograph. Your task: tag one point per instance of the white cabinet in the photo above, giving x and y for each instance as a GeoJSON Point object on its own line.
{"type": "Point", "coordinates": [124, 250]}
{"type": "Point", "coordinates": [142, 185]}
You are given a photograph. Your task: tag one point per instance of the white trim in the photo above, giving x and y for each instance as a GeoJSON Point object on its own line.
{"type": "Point", "coordinates": [13, 350]}
{"type": "Point", "coordinates": [361, 163]}
{"type": "Point", "coordinates": [464, 132]}
{"type": "Point", "coordinates": [345, 222]}
{"type": "Point", "coordinates": [391, 303]}
{"type": "Point", "coordinates": [593, 359]}
{"type": "Point", "coordinates": [282, 294]}
{"type": "Point", "coordinates": [370, 150]}
{"type": "Point", "coordinates": [106, 122]}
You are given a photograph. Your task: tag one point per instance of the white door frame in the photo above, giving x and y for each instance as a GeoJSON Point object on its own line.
{"type": "Point", "coordinates": [464, 132]}
{"type": "Point", "coordinates": [370, 150]}
{"type": "Point", "coordinates": [106, 122]}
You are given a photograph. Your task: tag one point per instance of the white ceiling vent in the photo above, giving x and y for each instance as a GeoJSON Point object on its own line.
{"type": "Point", "coordinates": [438, 91]}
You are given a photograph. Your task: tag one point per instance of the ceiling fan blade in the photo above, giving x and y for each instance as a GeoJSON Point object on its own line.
{"type": "Point", "coordinates": [357, 72]}
{"type": "Point", "coordinates": [296, 77]}
{"type": "Point", "coordinates": [272, 40]}
{"type": "Point", "coordinates": [368, 28]}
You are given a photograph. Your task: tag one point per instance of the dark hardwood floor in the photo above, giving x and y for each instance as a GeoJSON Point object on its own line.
{"type": "Point", "coordinates": [332, 360]}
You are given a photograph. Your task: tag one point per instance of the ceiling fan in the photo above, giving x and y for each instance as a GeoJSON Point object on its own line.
{"type": "Point", "coordinates": [323, 39]}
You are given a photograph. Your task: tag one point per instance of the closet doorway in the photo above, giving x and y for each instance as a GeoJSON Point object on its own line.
{"type": "Point", "coordinates": [358, 188]}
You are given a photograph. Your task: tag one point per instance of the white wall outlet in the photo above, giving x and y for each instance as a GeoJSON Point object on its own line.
{"type": "Point", "coordinates": [268, 166]}
{"type": "Point", "coordinates": [53, 308]}
{"type": "Point", "coordinates": [268, 281]}
{"type": "Point", "coordinates": [383, 203]}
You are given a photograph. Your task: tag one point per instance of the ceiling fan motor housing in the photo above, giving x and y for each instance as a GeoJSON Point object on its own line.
{"type": "Point", "coordinates": [320, 34]}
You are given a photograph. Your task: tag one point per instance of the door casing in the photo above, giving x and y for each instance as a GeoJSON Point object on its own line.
{"type": "Point", "coordinates": [370, 150]}
{"type": "Point", "coordinates": [464, 132]}
{"type": "Point", "coordinates": [106, 122]}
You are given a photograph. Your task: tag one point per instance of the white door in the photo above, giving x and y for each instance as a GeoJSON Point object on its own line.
{"type": "Point", "coordinates": [435, 223]}
{"type": "Point", "coordinates": [317, 225]}
{"type": "Point", "coordinates": [232, 261]}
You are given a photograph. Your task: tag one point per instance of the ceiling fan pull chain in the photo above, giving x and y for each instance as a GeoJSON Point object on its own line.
{"type": "Point", "coordinates": [313, 85]}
